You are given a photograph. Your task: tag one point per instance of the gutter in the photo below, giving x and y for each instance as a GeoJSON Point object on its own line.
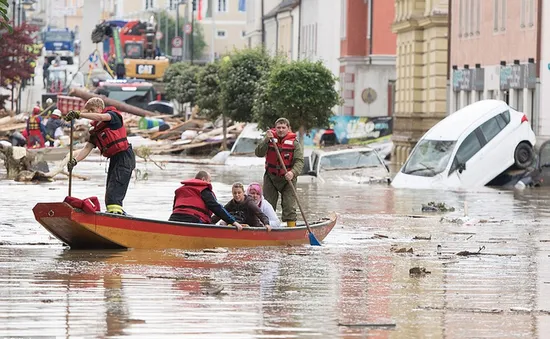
{"type": "Point", "coordinates": [539, 37]}
{"type": "Point", "coordinates": [369, 32]}
{"type": "Point", "coordinates": [449, 36]}
{"type": "Point", "coordinates": [299, 29]}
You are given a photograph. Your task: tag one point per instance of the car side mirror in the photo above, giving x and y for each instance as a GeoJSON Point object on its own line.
{"type": "Point", "coordinates": [461, 167]}
{"type": "Point", "coordinates": [312, 173]}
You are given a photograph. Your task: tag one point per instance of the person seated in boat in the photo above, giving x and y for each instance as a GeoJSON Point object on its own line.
{"type": "Point", "coordinates": [244, 209]}
{"type": "Point", "coordinates": [254, 191]}
{"type": "Point", "coordinates": [195, 202]}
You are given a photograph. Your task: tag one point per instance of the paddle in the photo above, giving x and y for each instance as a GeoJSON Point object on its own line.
{"type": "Point", "coordinates": [312, 240]}
{"type": "Point", "coordinates": [71, 157]}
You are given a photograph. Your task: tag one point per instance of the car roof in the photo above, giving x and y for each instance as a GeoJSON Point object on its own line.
{"type": "Point", "coordinates": [454, 125]}
{"type": "Point", "coordinates": [341, 149]}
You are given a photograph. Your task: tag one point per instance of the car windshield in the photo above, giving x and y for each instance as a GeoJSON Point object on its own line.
{"type": "Point", "coordinates": [429, 158]}
{"type": "Point", "coordinates": [58, 36]}
{"type": "Point", "coordinates": [246, 145]}
{"type": "Point", "coordinates": [349, 160]}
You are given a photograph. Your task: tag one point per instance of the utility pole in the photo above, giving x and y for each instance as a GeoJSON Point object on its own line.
{"type": "Point", "coordinates": [177, 33]}
{"type": "Point", "coordinates": [193, 29]}
{"type": "Point", "coordinates": [166, 32]}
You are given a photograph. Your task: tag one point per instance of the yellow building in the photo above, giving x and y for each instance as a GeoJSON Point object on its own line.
{"type": "Point", "coordinates": [422, 30]}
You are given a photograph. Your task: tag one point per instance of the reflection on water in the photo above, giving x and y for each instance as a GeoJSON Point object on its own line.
{"type": "Point", "coordinates": [356, 277]}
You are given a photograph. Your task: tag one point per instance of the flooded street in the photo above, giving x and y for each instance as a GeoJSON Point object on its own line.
{"type": "Point", "coordinates": [357, 285]}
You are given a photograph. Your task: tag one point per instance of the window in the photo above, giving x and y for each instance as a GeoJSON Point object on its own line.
{"type": "Point", "coordinates": [469, 18]}
{"type": "Point", "coordinates": [172, 4]}
{"type": "Point", "coordinates": [506, 116]}
{"type": "Point", "coordinates": [503, 16]}
{"type": "Point", "coordinates": [221, 34]}
{"type": "Point", "coordinates": [149, 4]}
{"type": "Point", "coordinates": [222, 6]}
{"type": "Point", "coordinates": [490, 128]}
{"type": "Point", "coordinates": [501, 120]}
{"type": "Point", "coordinates": [531, 4]}
{"type": "Point", "coordinates": [495, 15]}
{"type": "Point", "coordinates": [469, 147]}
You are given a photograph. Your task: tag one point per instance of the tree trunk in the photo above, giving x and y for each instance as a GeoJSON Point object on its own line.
{"type": "Point", "coordinates": [224, 126]}
{"type": "Point", "coordinates": [302, 134]}
{"type": "Point", "coordinates": [122, 106]}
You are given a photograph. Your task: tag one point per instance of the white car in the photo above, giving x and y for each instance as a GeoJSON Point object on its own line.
{"type": "Point", "coordinates": [469, 148]}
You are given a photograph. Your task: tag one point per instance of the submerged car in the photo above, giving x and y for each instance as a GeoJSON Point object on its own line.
{"type": "Point", "coordinates": [345, 164]}
{"type": "Point", "coordinates": [242, 152]}
{"type": "Point", "coordinates": [470, 148]}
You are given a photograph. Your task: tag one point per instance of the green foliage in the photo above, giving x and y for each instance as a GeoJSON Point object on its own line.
{"type": "Point", "coordinates": [164, 21]}
{"type": "Point", "coordinates": [199, 44]}
{"type": "Point", "coordinates": [208, 91]}
{"type": "Point", "coordinates": [174, 70]}
{"type": "Point", "coordinates": [183, 86]}
{"type": "Point", "coordinates": [240, 73]}
{"type": "Point", "coordinates": [4, 18]}
{"type": "Point", "coordinates": [301, 91]}
{"type": "Point", "coordinates": [264, 112]}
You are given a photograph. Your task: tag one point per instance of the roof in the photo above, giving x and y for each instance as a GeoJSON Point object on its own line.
{"type": "Point", "coordinates": [285, 5]}
{"type": "Point", "coordinates": [454, 125]}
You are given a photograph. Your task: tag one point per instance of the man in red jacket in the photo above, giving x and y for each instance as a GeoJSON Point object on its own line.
{"type": "Point", "coordinates": [195, 202]}
{"type": "Point", "coordinates": [109, 135]}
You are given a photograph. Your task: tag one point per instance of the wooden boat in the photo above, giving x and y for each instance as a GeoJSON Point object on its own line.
{"type": "Point", "coordinates": [82, 230]}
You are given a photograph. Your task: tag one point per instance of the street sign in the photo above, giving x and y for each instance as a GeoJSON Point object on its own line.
{"type": "Point", "coordinates": [177, 51]}
{"type": "Point", "coordinates": [187, 28]}
{"type": "Point", "coordinates": [158, 35]}
{"type": "Point", "coordinates": [177, 42]}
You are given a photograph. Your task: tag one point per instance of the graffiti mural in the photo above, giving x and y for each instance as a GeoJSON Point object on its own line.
{"type": "Point", "coordinates": [355, 130]}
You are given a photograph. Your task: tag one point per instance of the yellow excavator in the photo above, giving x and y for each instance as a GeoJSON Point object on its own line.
{"type": "Point", "coordinates": [131, 47]}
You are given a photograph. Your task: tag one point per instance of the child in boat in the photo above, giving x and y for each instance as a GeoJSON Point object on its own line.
{"type": "Point", "coordinates": [254, 191]}
{"type": "Point", "coordinates": [244, 209]}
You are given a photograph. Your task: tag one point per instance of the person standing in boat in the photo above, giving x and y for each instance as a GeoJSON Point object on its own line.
{"type": "Point", "coordinates": [254, 191]}
{"type": "Point", "coordinates": [244, 209]}
{"type": "Point", "coordinates": [109, 135]}
{"type": "Point", "coordinates": [275, 179]}
{"type": "Point", "coordinates": [196, 202]}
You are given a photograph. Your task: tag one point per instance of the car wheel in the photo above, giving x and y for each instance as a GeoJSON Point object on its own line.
{"type": "Point", "coordinates": [523, 155]}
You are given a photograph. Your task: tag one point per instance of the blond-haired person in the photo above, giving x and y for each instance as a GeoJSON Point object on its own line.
{"type": "Point", "coordinates": [109, 135]}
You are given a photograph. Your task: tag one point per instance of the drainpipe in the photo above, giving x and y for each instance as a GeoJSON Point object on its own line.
{"type": "Point", "coordinates": [299, 29]}
{"type": "Point", "coordinates": [449, 36]}
{"type": "Point", "coordinates": [369, 32]}
{"type": "Point", "coordinates": [539, 38]}
{"type": "Point", "coordinates": [263, 26]}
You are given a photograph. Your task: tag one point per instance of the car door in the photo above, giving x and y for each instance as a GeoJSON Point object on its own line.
{"type": "Point", "coordinates": [499, 148]}
{"type": "Point", "coordinates": [466, 163]}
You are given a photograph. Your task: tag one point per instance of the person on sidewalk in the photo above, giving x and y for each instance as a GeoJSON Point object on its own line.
{"type": "Point", "coordinates": [196, 202]}
{"type": "Point", "coordinates": [275, 179]}
{"type": "Point", "coordinates": [109, 135]}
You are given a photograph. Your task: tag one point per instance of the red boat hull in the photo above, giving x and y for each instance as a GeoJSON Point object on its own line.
{"type": "Point", "coordinates": [81, 230]}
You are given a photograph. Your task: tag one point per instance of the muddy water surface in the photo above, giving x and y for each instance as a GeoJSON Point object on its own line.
{"type": "Point", "coordinates": [356, 278]}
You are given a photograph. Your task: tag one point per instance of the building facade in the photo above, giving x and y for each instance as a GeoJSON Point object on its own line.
{"type": "Point", "coordinates": [422, 31]}
{"type": "Point", "coordinates": [493, 55]}
{"type": "Point", "coordinates": [255, 12]}
{"type": "Point", "coordinates": [281, 26]}
{"type": "Point", "coordinates": [367, 57]}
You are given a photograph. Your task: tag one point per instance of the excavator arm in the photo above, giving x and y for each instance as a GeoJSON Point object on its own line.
{"type": "Point", "coordinates": [106, 30]}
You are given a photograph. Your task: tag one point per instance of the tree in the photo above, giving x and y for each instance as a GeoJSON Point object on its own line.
{"type": "Point", "coordinates": [15, 56]}
{"type": "Point", "coordinates": [164, 21]}
{"type": "Point", "coordinates": [4, 18]}
{"type": "Point", "coordinates": [240, 73]}
{"type": "Point", "coordinates": [302, 91]}
{"type": "Point", "coordinates": [198, 41]}
{"type": "Point", "coordinates": [208, 96]}
{"type": "Point", "coordinates": [182, 86]}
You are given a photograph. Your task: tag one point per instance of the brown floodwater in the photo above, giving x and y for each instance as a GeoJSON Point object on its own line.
{"type": "Point", "coordinates": [357, 285]}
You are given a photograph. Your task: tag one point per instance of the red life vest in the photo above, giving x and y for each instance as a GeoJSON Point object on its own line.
{"type": "Point", "coordinates": [189, 201]}
{"type": "Point", "coordinates": [34, 122]}
{"type": "Point", "coordinates": [109, 142]}
{"type": "Point", "coordinates": [286, 148]}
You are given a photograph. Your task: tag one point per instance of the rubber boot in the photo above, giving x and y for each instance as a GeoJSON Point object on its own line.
{"type": "Point", "coordinates": [291, 223]}
{"type": "Point", "coordinates": [115, 209]}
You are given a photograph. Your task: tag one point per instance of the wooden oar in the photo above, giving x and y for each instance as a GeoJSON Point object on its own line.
{"type": "Point", "coordinates": [71, 157]}
{"type": "Point", "coordinates": [312, 240]}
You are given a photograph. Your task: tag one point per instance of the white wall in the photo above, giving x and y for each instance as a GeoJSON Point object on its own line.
{"type": "Point", "coordinates": [376, 77]}
{"type": "Point", "coordinates": [326, 14]}
{"type": "Point", "coordinates": [543, 127]}
{"type": "Point", "coordinates": [93, 17]}
{"type": "Point", "coordinates": [271, 35]}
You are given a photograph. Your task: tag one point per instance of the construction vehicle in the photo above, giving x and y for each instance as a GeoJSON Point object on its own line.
{"type": "Point", "coordinates": [131, 48]}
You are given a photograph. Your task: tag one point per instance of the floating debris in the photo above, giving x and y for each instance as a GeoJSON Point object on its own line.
{"type": "Point", "coordinates": [437, 207]}
{"type": "Point", "coordinates": [418, 271]}
{"type": "Point", "coordinates": [418, 237]}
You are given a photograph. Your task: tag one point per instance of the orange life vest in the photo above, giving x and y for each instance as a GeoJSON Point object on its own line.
{"type": "Point", "coordinates": [109, 142]}
{"type": "Point", "coordinates": [286, 148]}
{"type": "Point", "coordinates": [34, 122]}
{"type": "Point", "coordinates": [188, 200]}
